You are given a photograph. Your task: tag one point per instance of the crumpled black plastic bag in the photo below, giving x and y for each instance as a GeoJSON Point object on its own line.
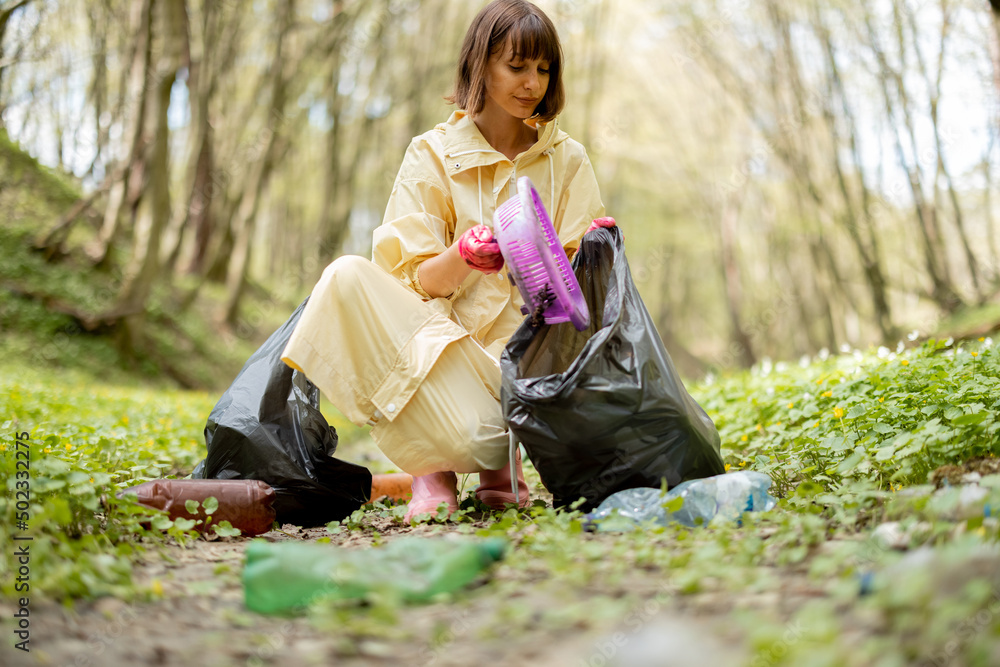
{"type": "Point", "coordinates": [603, 410]}
{"type": "Point", "coordinates": [268, 426]}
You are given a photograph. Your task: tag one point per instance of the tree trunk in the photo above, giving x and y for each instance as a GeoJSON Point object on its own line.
{"type": "Point", "coordinates": [200, 205]}
{"type": "Point", "coordinates": [994, 39]}
{"type": "Point", "coordinates": [196, 196]}
{"type": "Point", "coordinates": [99, 19]}
{"type": "Point", "coordinates": [991, 231]}
{"type": "Point", "coordinates": [822, 296]}
{"type": "Point", "coordinates": [820, 254]}
{"type": "Point", "coordinates": [6, 13]}
{"type": "Point", "coordinates": [995, 44]}
{"type": "Point", "coordinates": [688, 364]}
{"type": "Point", "coordinates": [246, 214]}
{"type": "Point", "coordinates": [942, 291]}
{"type": "Point", "coordinates": [342, 174]}
{"type": "Point", "coordinates": [934, 91]}
{"type": "Point", "coordinates": [858, 224]}
{"type": "Point", "coordinates": [728, 218]}
{"type": "Point", "coordinates": [217, 267]}
{"type": "Point", "coordinates": [137, 91]}
{"type": "Point", "coordinates": [593, 72]}
{"type": "Point", "coordinates": [153, 210]}
{"type": "Point", "coordinates": [208, 207]}
{"type": "Point", "coordinates": [332, 234]}
{"type": "Point", "coordinates": [807, 318]}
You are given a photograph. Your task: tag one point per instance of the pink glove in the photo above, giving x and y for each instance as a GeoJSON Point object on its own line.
{"type": "Point", "coordinates": [600, 222]}
{"type": "Point", "coordinates": [480, 250]}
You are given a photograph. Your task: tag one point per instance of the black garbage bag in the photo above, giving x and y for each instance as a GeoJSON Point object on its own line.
{"type": "Point", "coordinates": [268, 426]}
{"type": "Point", "coordinates": [603, 410]}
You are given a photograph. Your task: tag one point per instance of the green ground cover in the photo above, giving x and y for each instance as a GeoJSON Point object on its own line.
{"type": "Point", "coordinates": [877, 566]}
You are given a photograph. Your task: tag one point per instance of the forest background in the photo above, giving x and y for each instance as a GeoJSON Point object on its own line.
{"type": "Point", "coordinates": [790, 175]}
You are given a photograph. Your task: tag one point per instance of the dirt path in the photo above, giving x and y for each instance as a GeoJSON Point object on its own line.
{"type": "Point", "coordinates": [200, 620]}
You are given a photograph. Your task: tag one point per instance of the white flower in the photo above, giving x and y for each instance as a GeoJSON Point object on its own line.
{"type": "Point", "coordinates": [949, 342]}
{"type": "Point", "coordinates": [845, 347]}
{"type": "Point", "coordinates": [770, 391]}
{"type": "Point", "coordinates": [882, 352]}
{"type": "Point", "coordinates": [900, 347]}
{"type": "Point", "coordinates": [858, 356]}
{"type": "Point", "coordinates": [806, 396]}
{"type": "Point", "coordinates": [913, 335]}
{"type": "Point", "coordinates": [804, 361]}
{"type": "Point", "coordinates": [824, 354]}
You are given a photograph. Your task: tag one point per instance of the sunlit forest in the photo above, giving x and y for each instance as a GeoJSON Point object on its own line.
{"type": "Point", "coordinates": [790, 175]}
{"type": "Point", "coordinates": [808, 196]}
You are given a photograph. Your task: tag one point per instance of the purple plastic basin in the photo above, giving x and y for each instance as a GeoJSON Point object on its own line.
{"type": "Point", "coordinates": [536, 259]}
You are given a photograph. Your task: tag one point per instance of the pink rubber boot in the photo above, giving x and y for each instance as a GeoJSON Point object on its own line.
{"type": "Point", "coordinates": [495, 487]}
{"type": "Point", "coordinates": [429, 491]}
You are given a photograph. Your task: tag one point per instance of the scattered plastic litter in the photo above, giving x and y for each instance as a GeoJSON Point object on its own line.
{"type": "Point", "coordinates": [247, 504]}
{"type": "Point", "coordinates": [282, 577]}
{"type": "Point", "coordinates": [691, 503]}
{"type": "Point", "coordinates": [394, 485]}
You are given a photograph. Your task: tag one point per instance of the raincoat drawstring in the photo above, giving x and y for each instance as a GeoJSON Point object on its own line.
{"type": "Point", "coordinates": [552, 181]}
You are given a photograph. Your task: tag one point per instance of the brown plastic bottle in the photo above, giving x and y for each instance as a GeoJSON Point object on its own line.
{"type": "Point", "coordinates": [247, 504]}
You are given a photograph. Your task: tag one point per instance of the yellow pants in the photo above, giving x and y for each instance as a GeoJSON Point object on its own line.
{"type": "Point", "coordinates": [379, 352]}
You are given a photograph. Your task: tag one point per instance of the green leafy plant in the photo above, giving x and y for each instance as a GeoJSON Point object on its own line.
{"type": "Point", "coordinates": [848, 440]}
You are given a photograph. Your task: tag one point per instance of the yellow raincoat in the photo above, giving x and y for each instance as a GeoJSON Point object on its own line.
{"type": "Point", "coordinates": [426, 371]}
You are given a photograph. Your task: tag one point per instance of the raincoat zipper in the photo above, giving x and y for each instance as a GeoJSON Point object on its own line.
{"type": "Point", "coordinates": [512, 185]}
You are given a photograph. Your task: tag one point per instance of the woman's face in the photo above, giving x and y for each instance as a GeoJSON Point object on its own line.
{"type": "Point", "coordinates": [516, 85]}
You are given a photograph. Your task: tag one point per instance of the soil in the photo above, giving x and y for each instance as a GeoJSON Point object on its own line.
{"type": "Point", "coordinates": [201, 620]}
{"type": "Point", "coordinates": [969, 472]}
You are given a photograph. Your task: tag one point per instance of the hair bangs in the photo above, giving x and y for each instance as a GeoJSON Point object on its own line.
{"type": "Point", "coordinates": [532, 39]}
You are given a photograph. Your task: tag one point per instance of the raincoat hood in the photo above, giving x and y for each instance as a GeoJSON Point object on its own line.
{"type": "Point", "coordinates": [460, 137]}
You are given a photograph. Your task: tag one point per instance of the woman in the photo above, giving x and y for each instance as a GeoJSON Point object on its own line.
{"type": "Point", "coordinates": [410, 342]}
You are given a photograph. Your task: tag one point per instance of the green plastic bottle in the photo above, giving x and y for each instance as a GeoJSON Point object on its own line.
{"type": "Point", "coordinates": [285, 576]}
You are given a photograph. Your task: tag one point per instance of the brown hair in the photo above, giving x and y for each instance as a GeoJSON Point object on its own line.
{"type": "Point", "coordinates": [532, 36]}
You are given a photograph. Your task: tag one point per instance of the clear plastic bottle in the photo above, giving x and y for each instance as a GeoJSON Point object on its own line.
{"type": "Point", "coordinates": [285, 576]}
{"type": "Point", "coordinates": [727, 495]}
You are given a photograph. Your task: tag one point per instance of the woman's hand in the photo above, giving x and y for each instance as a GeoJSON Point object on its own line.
{"type": "Point", "coordinates": [480, 250]}
{"type": "Point", "coordinates": [599, 223]}
{"type": "Point", "coordinates": [475, 249]}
